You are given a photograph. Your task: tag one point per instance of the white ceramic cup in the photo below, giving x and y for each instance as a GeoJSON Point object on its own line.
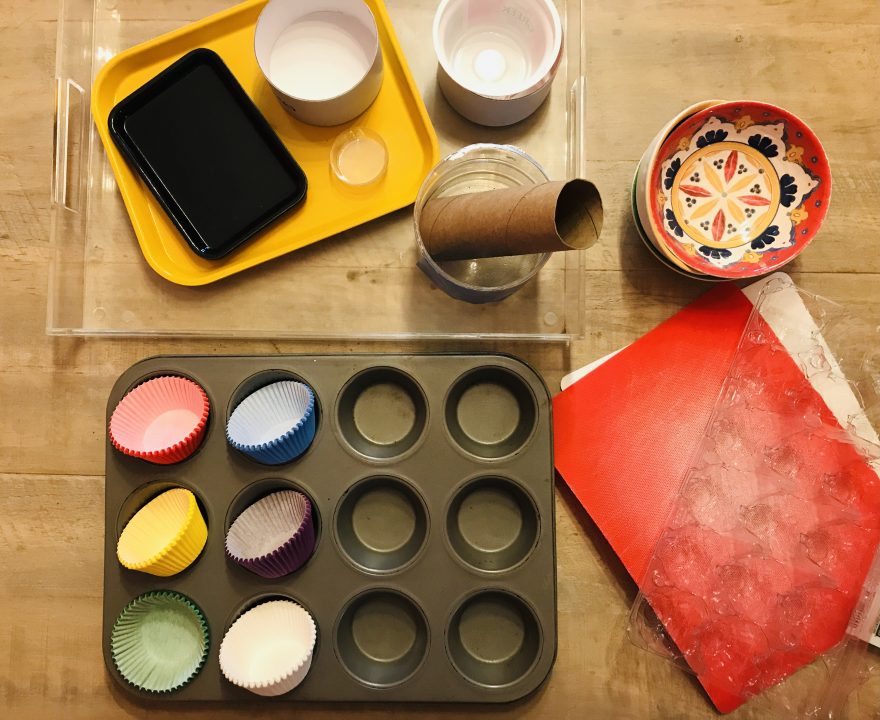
{"type": "Point", "coordinates": [497, 58]}
{"type": "Point", "coordinates": [322, 57]}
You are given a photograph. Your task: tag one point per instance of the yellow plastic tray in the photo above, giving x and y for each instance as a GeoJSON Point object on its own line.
{"type": "Point", "coordinates": [398, 115]}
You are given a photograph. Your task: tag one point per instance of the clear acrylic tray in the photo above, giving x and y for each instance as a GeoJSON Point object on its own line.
{"type": "Point", "coordinates": [361, 284]}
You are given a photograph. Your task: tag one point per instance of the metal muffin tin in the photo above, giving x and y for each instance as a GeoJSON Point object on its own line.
{"type": "Point", "coordinates": [434, 573]}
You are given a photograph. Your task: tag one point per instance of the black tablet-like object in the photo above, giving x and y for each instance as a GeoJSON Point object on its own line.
{"type": "Point", "coordinates": [207, 154]}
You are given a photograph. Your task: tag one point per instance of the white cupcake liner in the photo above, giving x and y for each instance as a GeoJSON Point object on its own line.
{"type": "Point", "coordinates": [268, 650]}
{"type": "Point", "coordinates": [275, 424]}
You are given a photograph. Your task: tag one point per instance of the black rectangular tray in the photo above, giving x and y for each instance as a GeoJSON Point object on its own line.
{"type": "Point", "coordinates": [207, 154]}
{"type": "Point", "coordinates": [481, 469]}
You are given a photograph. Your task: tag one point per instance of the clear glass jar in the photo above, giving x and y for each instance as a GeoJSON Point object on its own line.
{"type": "Point", "coordinates": [478, 168]}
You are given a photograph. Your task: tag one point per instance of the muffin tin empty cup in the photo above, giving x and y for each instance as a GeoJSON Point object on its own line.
{"type": "Point", "coordinates": [160, 641]}
{"type": "Point", "coordinates": [322, 58]}
{"type": "Point", "coordinates": [275, 536]}
{"type": "Point", "coordinates": [490, 413]}
{"type": "Point", "coordinates": [275, 424]}
{"type": "Point", "coordinates": [161, 420]}
{"type": "Point", "coordinates": [478, 168]}
{"type": "Point", "coordinates": [492, 524]}
{"type": "Point", "coordinates": [381, 524]}
{"type": "Point", "coordinates": [268, 649]}
{"type": "Point", "coordinates": [493, 638]}
{"type": "Point", "coordinates": [165, 536]}
{"type": "Point", "coordinates": [382, 413]}
{"type": "Point", "coordinates": [497, 60]}
{"type": "Point", "coordinates": [382, 638]}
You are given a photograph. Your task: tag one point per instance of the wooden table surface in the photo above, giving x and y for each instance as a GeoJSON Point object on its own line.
{"type": "Point", "coordinates": [647, 59]}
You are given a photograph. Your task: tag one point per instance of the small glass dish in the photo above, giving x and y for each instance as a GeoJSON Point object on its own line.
{"type": "Point", "coordinates": [479, 168]}
{"type": "Point", "coordinates": [359, 158]}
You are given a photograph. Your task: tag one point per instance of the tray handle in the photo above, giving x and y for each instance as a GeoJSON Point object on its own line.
{"type": "Point", "coordinates": [69, 140]}
{"type": "Point", "coordinates": [577, 108]}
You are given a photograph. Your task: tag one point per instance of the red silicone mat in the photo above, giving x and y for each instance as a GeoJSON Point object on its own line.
{"type": "Point", "coordinates": [625, 432]}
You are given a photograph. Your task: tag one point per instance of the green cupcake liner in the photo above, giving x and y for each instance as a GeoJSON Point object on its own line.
{"type": "Point", "coordinates": [160, 641]}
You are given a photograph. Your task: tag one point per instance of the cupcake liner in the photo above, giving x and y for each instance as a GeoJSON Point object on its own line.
{"type": "Point", "coordinates": [160, 641]}
{"type": "Point", "coordinates": [274, 536]}
{"type": "Point", "coordinates": [268, 650]}
{"type": "Point", "coordinates": [162, 420]}
{"type": "Point", "coordinates": [165, 536]}
{"type": "Point", "coordinates": [275, 424]}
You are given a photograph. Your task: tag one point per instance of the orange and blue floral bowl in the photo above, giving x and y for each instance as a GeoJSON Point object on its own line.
{"type": "Point", "coordinates": [735, 190]}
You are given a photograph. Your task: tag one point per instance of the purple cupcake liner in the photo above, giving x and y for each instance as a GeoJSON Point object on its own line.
{"type": "Point", "coordinates": [274, 536]}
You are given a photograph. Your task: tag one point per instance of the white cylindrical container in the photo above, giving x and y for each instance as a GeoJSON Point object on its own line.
{"type": "Point", "coordinates": [322, 58]}
{"type": "Point", "coordinates": [497, 58]}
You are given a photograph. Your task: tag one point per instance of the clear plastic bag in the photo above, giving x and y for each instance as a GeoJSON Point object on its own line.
{"type": "Point", "coordinates": [766, 572]}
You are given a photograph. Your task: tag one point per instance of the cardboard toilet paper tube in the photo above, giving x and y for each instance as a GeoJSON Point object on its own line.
{"type": "Point", "coordinates": [523, 220]}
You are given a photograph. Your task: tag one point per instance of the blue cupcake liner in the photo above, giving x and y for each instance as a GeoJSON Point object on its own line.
{"type": "Point", "coordinates": [286, 447]}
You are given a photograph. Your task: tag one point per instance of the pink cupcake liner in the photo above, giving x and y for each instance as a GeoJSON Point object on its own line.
{"type": "Point", "coordinates": [162, 420]}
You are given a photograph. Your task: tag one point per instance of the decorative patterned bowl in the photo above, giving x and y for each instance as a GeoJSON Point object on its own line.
{"type": "Point", "coordinates": [738, 189]}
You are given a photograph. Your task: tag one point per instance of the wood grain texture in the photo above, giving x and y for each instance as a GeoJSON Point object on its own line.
{"type": "Point", "coordinates": [646, 60]}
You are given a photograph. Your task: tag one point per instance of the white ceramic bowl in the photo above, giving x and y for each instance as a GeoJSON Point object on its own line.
{"type": "Point", "coordinates": [497, 60]}
{"type": "Point", "coordinates": [646, 165]}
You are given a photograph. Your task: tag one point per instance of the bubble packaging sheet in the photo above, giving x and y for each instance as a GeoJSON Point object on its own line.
{"type": "Point", "coordinates": [767, 559]}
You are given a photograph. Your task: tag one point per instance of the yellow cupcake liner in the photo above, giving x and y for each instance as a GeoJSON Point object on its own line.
{"type": "Point", "coordinates": [165, 536]}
